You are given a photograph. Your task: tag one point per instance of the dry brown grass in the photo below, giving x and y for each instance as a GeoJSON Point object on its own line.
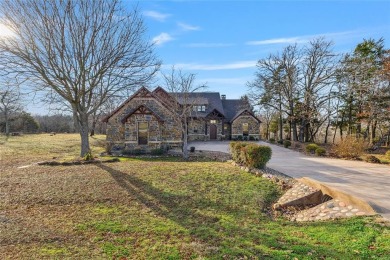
{"type": "Point", "coordinates": [27, 149]}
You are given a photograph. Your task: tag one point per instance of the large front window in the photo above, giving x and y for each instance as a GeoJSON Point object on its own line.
{"type": "Point", "coordinates": [142, 133]}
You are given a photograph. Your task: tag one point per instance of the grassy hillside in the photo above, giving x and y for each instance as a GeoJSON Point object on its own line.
{"type": "Point", "coordinates": [155, 209]}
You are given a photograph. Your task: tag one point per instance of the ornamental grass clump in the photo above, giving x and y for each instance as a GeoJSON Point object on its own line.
{"type": "Point", "coordinates": [350, 147]}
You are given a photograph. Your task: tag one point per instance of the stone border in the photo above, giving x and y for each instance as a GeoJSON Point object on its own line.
{"type": "Point", "coordinates": [308, 200]}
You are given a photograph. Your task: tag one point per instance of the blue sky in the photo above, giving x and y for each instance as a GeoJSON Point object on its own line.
{"type": "Point", "coordinates": [220, 41]}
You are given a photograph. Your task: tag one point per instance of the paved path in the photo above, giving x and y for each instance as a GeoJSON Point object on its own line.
{"type": "Point", "coordinates": [367, 181]}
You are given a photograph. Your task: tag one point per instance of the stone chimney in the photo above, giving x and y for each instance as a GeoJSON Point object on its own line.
{"type": "Point", "coordinates": [223, 97]}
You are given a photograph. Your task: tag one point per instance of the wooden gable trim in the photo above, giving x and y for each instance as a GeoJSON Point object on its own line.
{"type": "Point", "coordinates": [142, 92]}
{"type": "Point", "coordinates": [164, 97]}
{"type": "Point", "coordinates": [215, 114]}
{"type": "Point", "coordinates": [245, 113]}
{"type": "Point", "coordinates": [142, 110]}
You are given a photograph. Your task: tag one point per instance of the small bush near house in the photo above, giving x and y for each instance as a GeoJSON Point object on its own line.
{"type": "Point", "coordinates": [349, 147]}
{"type": "Point", "coordinates": [320, 151]}
{"type": "Point", "coordinates": [286, 143]}
{"type": "Point", "coordinates": [235, 150]}
{"type": "Point", "coordinates": [272, 140]}
{"type": "Point", "coordinates": [251, 155]}
{"type": "Point", "coordinates": [256, 156]}
{"type": "Point", "coordinates": [280, 141]}
{"type": "Point", "coordinates": [239, 138]}
{"type": "Point", "coordinates": [157, 151]}
{"type": "Point", "coordinates": [133, 152]}
{"type": "Point", "coordinates": [372, 159]}
{"type": "Point", "coordinates": [311, 148]}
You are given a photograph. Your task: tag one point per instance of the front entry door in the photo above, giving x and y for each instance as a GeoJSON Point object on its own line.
{"type": "Point", "coordinates": [213, 132]}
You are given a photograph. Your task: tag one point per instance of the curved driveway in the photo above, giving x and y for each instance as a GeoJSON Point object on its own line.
{"type": "Point", "coordinates": [367, 181]}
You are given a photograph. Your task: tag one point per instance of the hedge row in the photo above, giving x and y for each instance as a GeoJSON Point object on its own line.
{"type": "Point", "coordinates": [251, 155]}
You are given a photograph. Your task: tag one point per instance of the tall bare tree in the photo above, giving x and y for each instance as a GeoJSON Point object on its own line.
{"type": "Point", "coordinates": [276, 84]}
{"type": "Point", "coordinates": [319, 66]}
{"type": "Point", "coordinates": [183, 90]}
{"type": "Point", "coordinates": [10, 102]}
{"type": "Point", "coordinates": [83, 51]}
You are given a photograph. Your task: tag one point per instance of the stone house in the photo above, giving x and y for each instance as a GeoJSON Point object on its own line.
{"type": "Point", "coordinates": [146, 120]}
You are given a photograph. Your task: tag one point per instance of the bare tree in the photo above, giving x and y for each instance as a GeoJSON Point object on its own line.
{"type": "Point", "coordinates": [319, 66]}
{"type": "Point", "coordinates": [10, 102]}
{"type": "Point", "coordinates": [276, 84]}
{"type": "Point", "coordinates": [83, 51]}
{"type": "Point", "coordinates": [183, 91]}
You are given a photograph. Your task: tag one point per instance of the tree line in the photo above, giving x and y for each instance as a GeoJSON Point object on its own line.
{"type": "Point", "coordinates": [305, 90]}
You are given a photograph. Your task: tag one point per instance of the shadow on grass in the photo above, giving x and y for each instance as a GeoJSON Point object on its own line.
{"type": "Point", "coordinates": [183, 210]}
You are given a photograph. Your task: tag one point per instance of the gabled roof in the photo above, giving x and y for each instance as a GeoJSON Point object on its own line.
{"type": "Point", "coordinates": [243, 112]}
{"type": "Point", "coordinates": [142, 91]}
{"type": "Point", "coordinates": [231, 107]}
{"type": "Point", "coordinates": [212, 101]}
{"type": "Point", "coordinates": [144, 110]}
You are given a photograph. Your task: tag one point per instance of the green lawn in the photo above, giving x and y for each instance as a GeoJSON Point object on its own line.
{"type": "Point", "coordinates": [152, 209]}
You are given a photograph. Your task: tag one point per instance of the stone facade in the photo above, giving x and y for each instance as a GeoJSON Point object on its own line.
{"type": "Point", "coordinates": [122, 126]}
{"type": "Point", "coordinates": [152, 113]}
{"type": "Point", "coordinates": [237, 126]}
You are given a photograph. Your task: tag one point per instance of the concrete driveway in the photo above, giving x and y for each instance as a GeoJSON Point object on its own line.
{"type": "Point", "coordinates": [367, 181]}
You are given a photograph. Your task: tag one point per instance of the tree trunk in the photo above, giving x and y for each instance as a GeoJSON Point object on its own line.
{"type": "Point", "coordinates": [373, 131]}
{"type": "Point", "coordinates": [280, 127]}
{"type": "Point", "coordinates": [326, 133]}
{"type": "Point", "coordinates": [294, 130]}
{"type": "Point", "coordinates": [335, 132]}
{"type": "Point", "coordinates": [6, 122]}
{"type": "Point", "coordinates": [185, 140]}
{"type": "Point", "coordinates": [84, 131]}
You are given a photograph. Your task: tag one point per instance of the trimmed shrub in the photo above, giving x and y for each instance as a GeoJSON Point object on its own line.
{"type": "Point", "coordinates": [280, 141]}
{"type": "Point", "coordinates": [349, 147]}
{"type": "Point", "coordinates": [235, 150]}
{"type": "Point", "coordinates": [256, 156]}
{"type": "Point", "coordinates": [311, 148]}
{"type": "Point", "coordinates": [272, 140]}
{"type": "Point", "coordinates": [157, 151]}
{"type": "Point", "coordinates": [320, 151]}
{"type": "Point", "coordinates": [286, 143]}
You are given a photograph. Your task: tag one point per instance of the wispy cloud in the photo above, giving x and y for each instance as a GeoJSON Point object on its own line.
{"type": "Point", "coordinates": [162, 38]}
{"type": "Point", "coordinates": [156, 15]}
{"type": "Point", "coordinates": [188, 27]}
{"type": "Point", "coordinates": [305, 38]}
{"type": "Point", "coordinates": [226, 66]}
{"type": "Point", "coordinates": [276, 41]}
{"type": "Point", "coordinates": [208, 45]}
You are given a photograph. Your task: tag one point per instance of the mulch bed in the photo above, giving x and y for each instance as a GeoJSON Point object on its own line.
{"type": "Point", "coordinates": [78, 162]}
